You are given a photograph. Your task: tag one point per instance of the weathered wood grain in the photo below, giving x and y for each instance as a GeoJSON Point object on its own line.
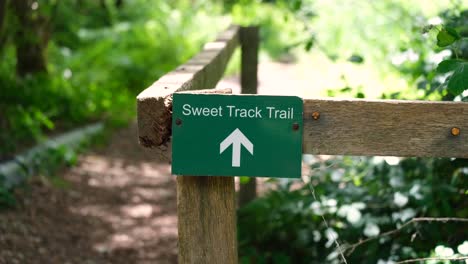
{"type": "Point", "coordinates": [206, 210]}
{"type": "Point", "coordinates": [385, 128]}
{"type": "Point", "coordinates": [201, 72]}
{"type": "Point", "coordinates": [207, 220]}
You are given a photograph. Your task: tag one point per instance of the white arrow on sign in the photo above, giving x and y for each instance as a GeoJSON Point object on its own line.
{"type": "Point", "coordinates": [236, 139]}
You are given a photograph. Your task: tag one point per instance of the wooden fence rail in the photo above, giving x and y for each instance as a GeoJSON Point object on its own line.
{"type": "Point", "coordinates": [385, 128]}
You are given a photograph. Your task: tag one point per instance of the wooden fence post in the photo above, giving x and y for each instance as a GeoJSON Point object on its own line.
{"type": "Point", "coordinates": [207, 219]}
{"type": "Point", "coordinates": [206, 209]}
{"type": "Point", "coordinates": [206, 206]}
{"type": "Point", "coordinates": [249, 41]}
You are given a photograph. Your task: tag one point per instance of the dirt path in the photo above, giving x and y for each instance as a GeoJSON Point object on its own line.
{"type": "Point", "coordinates": [119, 207]}
{"type": "Point", "coordinates": [120, 203]}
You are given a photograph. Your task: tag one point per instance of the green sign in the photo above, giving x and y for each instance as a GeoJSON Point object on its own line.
{"type": "Point", "coordinates": [236, 135]}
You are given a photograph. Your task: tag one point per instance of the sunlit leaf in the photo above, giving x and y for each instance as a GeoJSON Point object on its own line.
{"type": "Point", "coordinates": [447, 36]}
{"type": "Point", "coordinates": [458, 82]}
{"type": "Point", "coordinates": [360, 95]}
{"type": "Point", "coordinates": [448, 65]}
{"type": "Point", "coordinates": [297, 5]}
{"type": "Point", "coordinates": [309, 44]}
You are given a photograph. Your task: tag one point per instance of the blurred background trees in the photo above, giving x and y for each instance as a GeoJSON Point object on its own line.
{"type": "Point", "coordinates": [66, 63]}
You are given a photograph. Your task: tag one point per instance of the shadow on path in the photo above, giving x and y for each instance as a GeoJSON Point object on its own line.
{"type": "Point", "coordinates": [119, 207]}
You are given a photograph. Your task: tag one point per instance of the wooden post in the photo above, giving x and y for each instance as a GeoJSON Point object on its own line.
{"type": "Point", "coordinates": [206, 206]}
{"type": "Point", "coordinates": [207, 220]}
{"type": "Point", "coordinates": [249, 41]}
{"type": "Point", "coordinates": [206, 209]}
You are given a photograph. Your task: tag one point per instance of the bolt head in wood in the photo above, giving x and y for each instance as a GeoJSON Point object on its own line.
{"type": "Point", "coordinates": [315, 115]}
{"type": "Point", "coordinates": [455, 131]}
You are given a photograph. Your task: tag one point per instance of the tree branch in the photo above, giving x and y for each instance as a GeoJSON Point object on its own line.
{"type": "Point", "coordinates": [424, 259]}
{"type": "Point", "coordinates": [350, 249]}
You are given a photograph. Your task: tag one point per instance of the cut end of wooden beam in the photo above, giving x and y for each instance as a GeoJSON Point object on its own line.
{"type": "Point", "coordinates": [154, 120]}
{"type": "Point", "coordinates": [203, 71]}
{"type": "Point", "coordinates": [155, 115]}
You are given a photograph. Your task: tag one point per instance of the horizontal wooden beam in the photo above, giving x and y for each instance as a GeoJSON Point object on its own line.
{"type": "Point", "coordinates": [201, 72]}
{"type": "Point", "coordinates": [386, 128]}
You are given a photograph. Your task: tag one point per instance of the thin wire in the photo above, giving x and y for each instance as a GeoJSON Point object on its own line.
{"type": "Point", "coordinates": [312, 191]}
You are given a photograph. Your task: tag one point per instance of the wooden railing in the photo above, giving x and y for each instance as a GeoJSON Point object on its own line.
{"type": "Point", "coordinates": [206, 205]}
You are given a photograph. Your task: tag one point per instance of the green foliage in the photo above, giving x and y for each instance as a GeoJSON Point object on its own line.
{"type": "Point", "coordinates": [280, 29]}
{"type": "Point", "coordinates": [450, 65]}
{"type": "Point", "coordinates": [359, 198]}
{"type": "Point", "coordinates": [447, 53]}
{"type": "Point", "coordinates": [99, 59]}
{"type": "Point", "coordinates": [365, 197]}
{"type": "Point", "coordinates": [46, 164]}
{"type": "Point", "coordinates": [7, 198]}
{"type": "Point", "coordinates": [447, 36]}
{"type": "Point", "coordinates": [458, 81]}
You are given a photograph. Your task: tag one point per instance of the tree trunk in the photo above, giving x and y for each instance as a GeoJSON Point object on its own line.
{"type": "Point", "coordinates": [31, 39]}
{"type": "Point", "coordinates": [3, 6]}
{"type": "Point", "coordinates": [118, 3]}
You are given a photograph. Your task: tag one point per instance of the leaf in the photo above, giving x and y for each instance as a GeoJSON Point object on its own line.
{"type": "Point", "coordinates": [458, 82]}
{"type": "Point", "coordinates": [448, 65]}
{"type": "Point", "coordinates": [356, 58]}
{"type": "Point", "coordinates": [447, 36]}
{"type": "Point", "coordinates": [346, 89]}
{"type": "Point", "coordinates": [297, 5]}
{"type": "Point", "coordinates": [453, 32]}
{"type": "Point", "coordinates": [309, 44]}
{"type": "Point", "coordinates": [244, 179]}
